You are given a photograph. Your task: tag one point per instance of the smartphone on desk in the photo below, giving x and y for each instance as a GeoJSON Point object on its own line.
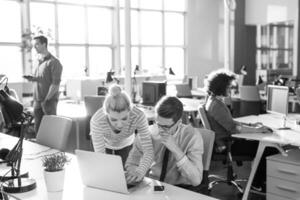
{"type": "Point", "coordinates": [270, 130]}
{"type": "Point", "coordinates": [27, 76]}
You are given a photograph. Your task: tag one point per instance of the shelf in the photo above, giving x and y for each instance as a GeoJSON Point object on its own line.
{"type": "Point", "coordinates": [274, 50]}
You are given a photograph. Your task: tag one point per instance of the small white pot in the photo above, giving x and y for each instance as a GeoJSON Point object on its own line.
{"type": "Point", "coordinates": [54, 180]}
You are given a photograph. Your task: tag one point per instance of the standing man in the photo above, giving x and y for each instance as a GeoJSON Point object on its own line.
{"type": "Point", "coordinates": [47, 78]}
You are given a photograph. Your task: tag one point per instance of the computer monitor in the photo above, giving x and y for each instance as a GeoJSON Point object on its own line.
{"type": "Point", "coordinates": [278, 101]}
{"type": "Point", "coordinates": [153, 91]}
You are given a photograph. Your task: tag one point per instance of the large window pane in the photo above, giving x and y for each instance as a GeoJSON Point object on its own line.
{"type": "Point", "coordinates": [73, 61]}
{"type": "Point", "coordinates": [177, 5]}
{"type": "Point", "coordinates": [52, 50]}
{"type": "Point", "coordinates": [174, 32]}
{"type": "Point", "coordinates": [72, 1]}
{"type": "Point", "coordinates": [100, 2]}
{"type": "Point", "coordinates": [100, 60]}
{"type": "Point", "coordinates": [99, 25]}
{"type": "Point", "coordinates": [71, 27]}
{"type": "Point", "coordinates": [134, 27]}
{"type": "Point", "coordinates": [42, 18]}
{"type": "Point", "coordinates": [10, 21]}
{"type": "Point", "coordinates": [152, 59]}
{"type": "Point", "coordinates": [151, 28]}
{"type": "Point", "coordinates": [133, 3]}
{"type": "Point", "coordinates": [151, 4]}
{"type": "Point", "coordinates": [134, 57]}
{"type": "Point", "coordinates": [11, 63]}
{"type": "Point", "coordinates": [175, 59]}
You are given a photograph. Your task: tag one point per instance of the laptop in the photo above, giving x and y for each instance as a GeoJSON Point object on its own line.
{"type": "Point", "coordinates": [103, 171]}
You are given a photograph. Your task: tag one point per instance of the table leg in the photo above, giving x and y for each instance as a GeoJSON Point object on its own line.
{"type": "Point", "coordinates": [259, 153]}
{"type": "Point", "coordinates": [77, 134]}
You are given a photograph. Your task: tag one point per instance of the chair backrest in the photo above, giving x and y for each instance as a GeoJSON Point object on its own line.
{"type": "Point", "coordinates": [249, 93]}
{"type": "Point", "coordinates": [208, 137]}
{"type": "Point", "coordinates": [54, 131]}
{"type": "Point", "coordinates": [298, 93]}
{"type": "Point", "coordinates": [183, 90]}
{"type": "Point", "coordinates": [203, 117]}
{"type": "Point", "coordinates": [250, 101]}
{"type": "Point", "coordinates": [93, 103]}
{"type": "Point", "coordinates": [240, 79]}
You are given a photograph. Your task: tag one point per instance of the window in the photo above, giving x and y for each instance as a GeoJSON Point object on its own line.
{"type": "Point", "coordinates": [99, 26]}
{"type": "Point", "coordinates": [157, 32]}
{"type": "Point", "coordinates": [11, 62]}
{"type": "Point", "coordinates": [10, 40]}
{"type": "Point", "coordinates": [174, 32]}
{"type": "Point", "coordinates": [175, 59]}
{"type": "Point", "coordinates": [42, 18]}
{"type": "Point", "coordinates": [11, 19]}
{"type": "Point", "coordinates": [73, 61]}
{"type": "Point", "coordinates": [152, 59]}
{"type": "Point", "coordinates": [100, 60]}
{"type": "Point", "coordinates": [68, 30]}
{"type": "Point", "coordinates": [83, 34]}
{"type": "Point", "coordinates": [151, 32]}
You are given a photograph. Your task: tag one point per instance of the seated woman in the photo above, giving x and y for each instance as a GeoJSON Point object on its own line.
{"type": "Point", "coordinates": [113, 130]}
{"type": "Point", "coordinates": [218, 86]}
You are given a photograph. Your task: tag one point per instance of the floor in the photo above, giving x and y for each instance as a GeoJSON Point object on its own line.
{"type": "Point", "coordinates": [226, 192]}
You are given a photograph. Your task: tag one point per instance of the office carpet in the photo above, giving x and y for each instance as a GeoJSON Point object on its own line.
{"type": "Point", "coordinates": [224, 191]}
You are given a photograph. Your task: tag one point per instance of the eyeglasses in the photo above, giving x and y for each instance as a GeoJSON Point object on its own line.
{"type": "Point", "coordinates": [166, 127]}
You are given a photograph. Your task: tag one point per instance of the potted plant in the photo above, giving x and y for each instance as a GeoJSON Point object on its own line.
{"type": "Point", "coordinates": [54, 171]}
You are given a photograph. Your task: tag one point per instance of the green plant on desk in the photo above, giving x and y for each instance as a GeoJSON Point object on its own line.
{"type": "Point", "coordinates": [54, 171]}
{"type": "Point", "coordinates": [55, 162]}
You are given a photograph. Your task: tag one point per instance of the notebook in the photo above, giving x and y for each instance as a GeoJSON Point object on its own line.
{"type": "Point", "coordinates": [103, 171]}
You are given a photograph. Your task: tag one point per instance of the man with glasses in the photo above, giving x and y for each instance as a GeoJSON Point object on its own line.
{"type": "Point", "coordinates": [177, 147]}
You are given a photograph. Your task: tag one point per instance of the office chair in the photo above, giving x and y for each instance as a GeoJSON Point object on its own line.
{"type": "Point", "coordinates": [92, 104]}
{"type": "Point", "coordinates": [225, 157]}
{"type": "Point", "coordinates": [7, 126]}
{"type": "Point", "coordinates": [297, 91]}
{"type": "Point", "coordinates": [54, 131]}
{"type": "Point", "coordinates": [250, 101]}
{"type": "Point", "coordinates": [208, 137]}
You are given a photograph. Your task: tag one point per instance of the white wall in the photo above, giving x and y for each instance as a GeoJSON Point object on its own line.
{"type": "Point", "coordinates": [268, 11]}
{"type": "Point", "coordinates": [205, 37]}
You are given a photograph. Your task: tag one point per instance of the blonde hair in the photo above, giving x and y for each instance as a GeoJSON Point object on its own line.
{"type": "Point", "coordinates": [116, 100]}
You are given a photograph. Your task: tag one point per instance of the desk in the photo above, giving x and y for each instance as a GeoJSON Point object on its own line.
{"type": "Point", "coordinates": [199, 93]}
{"type": "Point", "coordinates": [190, 108]}
{"type": "Point", "coordinates": [276, 139]}
{"type": "Point", "coordinates": [73, 188]}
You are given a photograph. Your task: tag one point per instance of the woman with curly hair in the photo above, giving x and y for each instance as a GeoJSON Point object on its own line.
{"type": "Point", "coordinates": [218, 85]}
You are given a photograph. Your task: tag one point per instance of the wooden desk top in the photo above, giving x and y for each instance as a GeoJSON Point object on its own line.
{"type": "Point", "coordinates": [73, 188]}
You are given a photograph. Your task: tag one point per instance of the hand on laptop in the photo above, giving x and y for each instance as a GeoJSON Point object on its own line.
{"type": "Point", "coordinates": [132, 176]}
{"type": "Point", "coordinates": [29, 77]}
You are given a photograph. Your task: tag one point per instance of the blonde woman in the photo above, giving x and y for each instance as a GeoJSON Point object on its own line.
{"type": "Point", "coordinates": [113, 130]}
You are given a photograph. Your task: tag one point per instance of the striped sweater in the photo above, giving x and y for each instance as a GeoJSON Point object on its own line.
{"type": "Point", "coordinates": [104, 137]}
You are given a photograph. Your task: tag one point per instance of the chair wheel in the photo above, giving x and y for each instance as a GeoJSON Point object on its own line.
{"type": "Point", "coordinates": [240, 194]}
